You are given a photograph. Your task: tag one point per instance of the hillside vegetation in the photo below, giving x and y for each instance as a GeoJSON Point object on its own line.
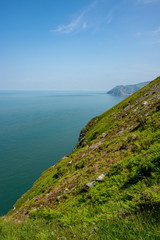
{"type": "Point", "coordinates": [107, 188]}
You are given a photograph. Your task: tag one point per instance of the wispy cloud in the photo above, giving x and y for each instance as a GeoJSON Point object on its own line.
{"type": "Point", "coordinates": [151, 37]}
{"type": "Point", "coordinates": [148, 33]}
{"type": "Point", "coordinates": [78, 23]}
{"type": "Point", "coordinates": [109, 17]}
{"type": "Point", "coordinates": [72, 26]}
{"type": "Point", "coordinates": [84, 20]}
{"type": "Point", "coordinates": [155, 32]}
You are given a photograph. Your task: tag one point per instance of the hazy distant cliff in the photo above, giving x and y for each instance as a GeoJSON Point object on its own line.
{"type": "Point", "coordinates": [126, 90]}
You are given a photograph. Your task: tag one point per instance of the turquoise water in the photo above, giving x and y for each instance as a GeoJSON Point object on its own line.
{"type": "Point", "coordinates": [36, 129]}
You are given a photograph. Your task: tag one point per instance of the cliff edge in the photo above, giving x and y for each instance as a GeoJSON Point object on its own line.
{"type": "Point", "coordinates": [113, 172]}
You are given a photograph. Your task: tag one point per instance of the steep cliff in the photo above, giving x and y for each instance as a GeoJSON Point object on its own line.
{"type": "Point", "coordinates": [113, 172]}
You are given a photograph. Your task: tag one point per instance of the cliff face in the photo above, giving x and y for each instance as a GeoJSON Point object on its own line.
{"type": "Point", "coordinates": [124, 91]}
{"type": "Point", "coordinates": [115, 165]}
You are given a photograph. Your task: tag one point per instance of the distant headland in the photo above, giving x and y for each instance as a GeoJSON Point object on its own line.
{"type": "Point", "coordinates": [126, 90]}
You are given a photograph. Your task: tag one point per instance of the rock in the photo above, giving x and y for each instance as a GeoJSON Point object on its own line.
{"type": "Point", "coordinates": [64, 157]}
{"type": "Point", "coordinates": [101, 177]}
{"type": "Point", "coordinates": [144, 103]}
{"type": "Point", "coordinates": [58, 198]}
{"type": "Point", "coordinates": [127, 108]}
{"type": "Point", "coordinates": [104, 134]}
{"type": "Point", "coordinates": [121, 131]}
{"type": "Point", "coordinates": [82, 134]}
{"type": "Point", "coordinates": [69, 163]}
{"type": "Point", "coordinates": [88, 185]}
{"type": "Point", "coordinates": [14, 208]}
{"type": "Point", "coordinates": [123, 116]}
{"type": "Point", "coordinates": [34, 209]}
{"type": "Point", "coordinates": [66, 190]}
{"type": "Point", "coordinates": [135, 110]}
{"type": "Point", "coordinates": [93, 146]}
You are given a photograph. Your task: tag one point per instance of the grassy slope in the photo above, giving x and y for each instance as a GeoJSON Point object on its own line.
{"type": "Point", "coordinates": [124, 144]}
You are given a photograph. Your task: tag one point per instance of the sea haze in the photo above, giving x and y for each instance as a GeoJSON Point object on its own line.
{"type": "Point", "coordinates": [36, 129]}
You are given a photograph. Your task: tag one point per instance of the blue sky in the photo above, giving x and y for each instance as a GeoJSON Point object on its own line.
{"type": "Point", "coordinates": [78, 44]}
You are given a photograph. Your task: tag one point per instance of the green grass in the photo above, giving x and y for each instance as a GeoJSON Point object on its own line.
{"type": "Point", "coordinates": [136, 226]}
{"type": "Point", "coordinates": [124, 144]}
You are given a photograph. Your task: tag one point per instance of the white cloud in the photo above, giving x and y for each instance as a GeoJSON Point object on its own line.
{"type": "Point", "coordinates": [71, 26]}
{"type": "Point", "coordinates": [148, 33]}
{"type": "Point", "coordinates": [86, 19]}
{"type": "Point", "coordinates": [76, 24]}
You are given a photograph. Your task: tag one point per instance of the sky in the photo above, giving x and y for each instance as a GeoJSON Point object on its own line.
{"type": "Point", "coordinates": [78, 44]}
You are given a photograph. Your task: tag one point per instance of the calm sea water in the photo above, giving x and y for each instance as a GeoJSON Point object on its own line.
{"type": "Point", "coordinates": [36, 129]}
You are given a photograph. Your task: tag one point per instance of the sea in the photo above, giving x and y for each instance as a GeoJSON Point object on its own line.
{"type": "Point", "coordinates": [37, 128]}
